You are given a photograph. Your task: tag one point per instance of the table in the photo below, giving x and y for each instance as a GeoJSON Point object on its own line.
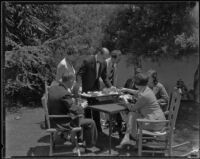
{"type": "Point", "coordinates": [110, 109]}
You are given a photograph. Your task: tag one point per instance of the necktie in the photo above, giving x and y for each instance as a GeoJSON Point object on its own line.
{"type": "Point", "coordinates": [111, 76]}
{"type": "Point", "coordinates": [97, 68]}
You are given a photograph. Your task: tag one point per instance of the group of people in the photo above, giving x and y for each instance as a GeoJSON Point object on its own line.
{"type": "Point", "coordinates": [103, 65]}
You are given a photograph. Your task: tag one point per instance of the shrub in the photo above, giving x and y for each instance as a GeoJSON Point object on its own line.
{"type": "Point", "coordinates": [26, 69]}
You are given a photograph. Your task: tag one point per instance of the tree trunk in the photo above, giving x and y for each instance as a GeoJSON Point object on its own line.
{"type": "Point", "coordinates": [196, 85]}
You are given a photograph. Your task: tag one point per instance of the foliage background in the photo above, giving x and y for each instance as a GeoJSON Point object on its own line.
{"type": "Point", "coordinates": [38, 36]}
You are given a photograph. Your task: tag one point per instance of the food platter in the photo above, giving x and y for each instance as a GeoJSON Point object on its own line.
{"type": "Point", "coordinates": [96, 94]}
{"type": "Point", "coordinates": [101, 95]}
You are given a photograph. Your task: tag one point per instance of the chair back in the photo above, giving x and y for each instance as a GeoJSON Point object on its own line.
{"type": "Point", "coordinates": [45, 104]}
{"type": "Point", "coordinates": [174, 107]}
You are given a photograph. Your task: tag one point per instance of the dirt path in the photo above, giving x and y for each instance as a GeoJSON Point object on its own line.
{"type": "Point", "coordinates": [24, 136]}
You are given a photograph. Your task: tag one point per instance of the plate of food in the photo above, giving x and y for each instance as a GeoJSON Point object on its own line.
{"type": "Point", "coordinates": [106, 92]}
{"type": "Point", "coordinates": [92, 94]}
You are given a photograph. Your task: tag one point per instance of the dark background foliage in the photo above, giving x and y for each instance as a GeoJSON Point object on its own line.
{"type": "Point", "coordinates": [38, 36]}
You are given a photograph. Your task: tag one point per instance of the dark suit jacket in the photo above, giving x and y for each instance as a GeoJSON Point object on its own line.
{"type": "Point", "coordinates": [60, 102]}
{"type": "Point", "coordinates": [87, 73]}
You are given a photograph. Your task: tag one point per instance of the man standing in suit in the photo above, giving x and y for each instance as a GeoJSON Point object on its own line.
{"type": "Point", "coordinates": [112, 63]}
{"type": "Point", "coordinates": [89, 73]}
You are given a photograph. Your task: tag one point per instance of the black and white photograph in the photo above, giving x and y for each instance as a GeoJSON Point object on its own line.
{"type": "Point", "coordinates": [100, 79]}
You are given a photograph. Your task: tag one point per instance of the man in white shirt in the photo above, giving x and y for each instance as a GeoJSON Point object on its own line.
{"type": "Point", "coordinates": [64, 67]}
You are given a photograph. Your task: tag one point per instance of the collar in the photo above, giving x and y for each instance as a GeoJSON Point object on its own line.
{"type": "Point", "coordinates": [68, 89]}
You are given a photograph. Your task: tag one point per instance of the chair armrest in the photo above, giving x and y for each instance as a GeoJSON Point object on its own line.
{"type": "Point", "coordinates": [51, 130]}
{"type": "Point", "coordinates": [65, 116]}
{"type": "Point", "coordinates": [59, 116]}
{"type": "Point", "coordinates": [76, 129]}
{"type": "Point", "coordinates": [151, 121]}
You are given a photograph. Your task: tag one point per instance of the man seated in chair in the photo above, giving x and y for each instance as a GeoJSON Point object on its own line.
{"type": "Point", "coordinates": [61, 102]}
{"type": "Point", "coordinates": [146, 107]}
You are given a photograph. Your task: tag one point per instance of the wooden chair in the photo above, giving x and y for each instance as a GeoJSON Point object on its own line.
{"type": "Point", "coordinates": [160, 141]}
{"type": "Point", "coordinates": [52, 131]}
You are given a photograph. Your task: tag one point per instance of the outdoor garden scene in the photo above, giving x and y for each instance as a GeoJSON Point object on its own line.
{"type": "Point", "coordinates": [101, 79]}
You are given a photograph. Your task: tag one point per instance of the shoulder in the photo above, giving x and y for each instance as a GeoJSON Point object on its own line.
{"type": "Point", "coordinates": [148, 94]}
{"type": "Point", "coordinates": [160, 85]}
{"type": "Point", "coordinates": [108, 60]}
{"type": "Point", "coordinates": [56, 90]}
{"type": "Point", "coordinates": [89, 59]}
{"type": "Point", "coordinates": [62, 62]}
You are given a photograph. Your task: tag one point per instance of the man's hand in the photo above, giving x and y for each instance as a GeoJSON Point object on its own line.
{"type": "Point", "coordinates": [84, 104]}
{"type": "Point", "coordinates": [113, 88]}
{"type": "Point", "coordinates": [124, 100]}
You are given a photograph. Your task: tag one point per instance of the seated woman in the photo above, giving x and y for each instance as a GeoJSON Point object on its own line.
{"type": "Point", "coordinates": [146, 107]}
{"type": "Point", "coordinates": [61, 102]}
{"type": "Point", "coordinates": [158, 89]}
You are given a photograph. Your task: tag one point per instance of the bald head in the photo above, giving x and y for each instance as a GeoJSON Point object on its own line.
{"type": "Point", "coordinates": [103, 54]}
{"type": "Point", "coordinates": [105, 51]}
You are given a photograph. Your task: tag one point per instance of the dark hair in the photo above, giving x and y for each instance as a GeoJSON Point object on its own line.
{"type": "Point", "coordinates": [101, 50]}
{"type": "Point", "coordinates": [154, 75]}
{"type": "Point", "coordinates": [67, 76]}
{"type": "Point", "coordinates": [115, 53]}
{"type": "Point", "coordinates": [138, 70]}
{"type": "Point", "coordinates": [141, 79]}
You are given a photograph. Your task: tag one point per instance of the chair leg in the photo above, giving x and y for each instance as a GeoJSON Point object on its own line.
{"type": "Point", "coordinates": [140, 143]}
{"type": "Point", "coordinates": [77, 146]}
{"type": "Point", "coordinates": [170, 148]}
{"type": "Point", "coordinates": [51, 145]}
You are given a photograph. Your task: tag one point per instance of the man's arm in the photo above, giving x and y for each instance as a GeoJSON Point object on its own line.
{"type": "Point", "coordinates": [141, 102]}
{"type": "Point", "coordinates": [70, 104]}
{"type": "Point", "coordinates": [104, 77]}
{"type": "Point", "coordinates": [81, 72]}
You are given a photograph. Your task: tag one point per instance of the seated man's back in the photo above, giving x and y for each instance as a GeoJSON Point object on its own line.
{"type": "Point", "coordinates": [55, 105]}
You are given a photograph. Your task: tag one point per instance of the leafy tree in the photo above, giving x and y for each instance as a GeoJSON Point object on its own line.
{"type": "Point", "coordinates": [27, 62]}
{"type": "Point", "coordinates": [29, 24]}
{"type": "Point", "coordinates": [80, 32]}
{"type": "Point", "coordinates": [39, 36]}
{"type": "Point", "coordinates": [153, 30]}
{"type": "Point", "coordinates": [156, 31]}
{"type": "Point", "coordinates": [26, 69]}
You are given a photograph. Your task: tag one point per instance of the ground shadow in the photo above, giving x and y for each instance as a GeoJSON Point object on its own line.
{"type": "Point", "coordinates": [44, 139]}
